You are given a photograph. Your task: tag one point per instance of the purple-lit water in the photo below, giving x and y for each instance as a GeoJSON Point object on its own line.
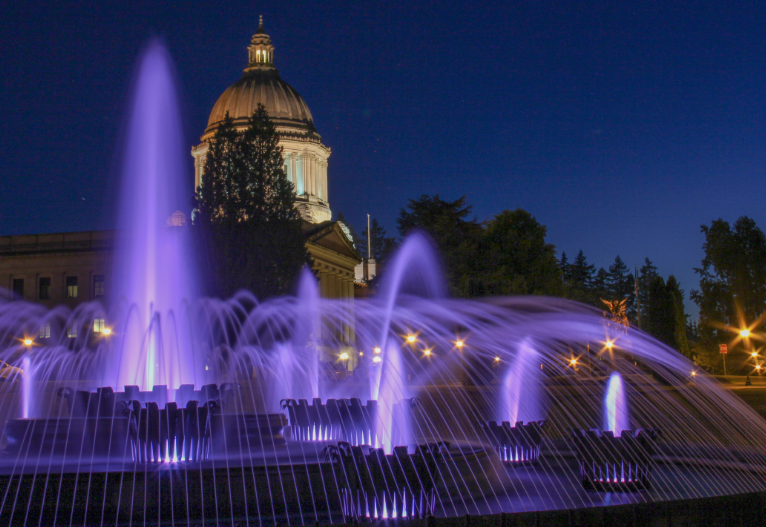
{"type": "Point", "coordinates": [616, 406]}
{"type": "Point", "coordinates": [512, 364]}
{"type": "Point", "coordinates": [154, 275]}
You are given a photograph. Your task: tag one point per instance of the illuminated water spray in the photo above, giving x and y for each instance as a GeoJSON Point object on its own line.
{"type": "Point", "coordinates": [153, 263]}
{"type": "Point", "coordinates": [522, 387]}
{"type": "Point", "coordinates": [616, 406]}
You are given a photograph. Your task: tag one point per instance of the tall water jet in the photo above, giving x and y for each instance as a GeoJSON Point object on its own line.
{"type": "Point", "coordinates": [616, 406]}
{"type": "Point", "coordinates": [392, 423]}
{"type": "Point", "coordinates": [308, 331]}
{"type": "Point", "coordinates": [415, 269]}
{"type": "Point", "coordinates": [522, 387]}
{"type": "Point", "coordinates": [153, 262]}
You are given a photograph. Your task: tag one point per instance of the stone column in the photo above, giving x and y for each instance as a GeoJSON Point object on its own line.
{"type": "Point", "coordinates": [323, 180]}
{"type": "Point", "coordinates": [300, 175]}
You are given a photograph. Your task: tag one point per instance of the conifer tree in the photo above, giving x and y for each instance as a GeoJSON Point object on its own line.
{"type": "Point", "coordinates": [661, 312]}
{"type": "Point", "coordinates": [679, 329]}
{"type": "Point", "coordinates": [646, 275]}
{"type": "Point", "coordinates": [249, 231]}
{"type": "Point", "coordinates": [620, 284]}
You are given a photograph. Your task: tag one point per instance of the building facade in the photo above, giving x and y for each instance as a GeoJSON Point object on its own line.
{"type": "Point", "coordinates": [57, 269]}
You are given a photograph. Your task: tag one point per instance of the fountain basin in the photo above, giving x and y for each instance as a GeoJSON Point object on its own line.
{"type": "Point", "coordinates": [615, 464]}
{"type": "Point", "coordinates": [516, 445]}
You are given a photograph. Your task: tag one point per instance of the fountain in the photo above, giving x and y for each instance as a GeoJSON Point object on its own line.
{"type": "Point", "coordinates": [207, 411]}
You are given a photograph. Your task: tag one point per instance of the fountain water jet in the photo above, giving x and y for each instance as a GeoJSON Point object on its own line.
{"type": "Point", "coordinates": [153, 259]}
{"type": "Point", "coordinates": [616, 406]}
{"type": "Point", "coordinates": [522, 386]}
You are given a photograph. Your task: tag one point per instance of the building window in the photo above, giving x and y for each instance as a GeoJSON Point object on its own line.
{"type": "Point", "coordinates": [45, 330]}
{"type": "Point", "coordinates": [71, 332]}
{"type": "Point", "coordinates": [98, 325]}
{"type": "Point", "coordinates": [45, 288]}
{"type": "Point", "coordinates": [98, 285]}
{"type": "Point", "coordinates": [71, 287]}
{"type": "Point", "coordinates": [18, 288]}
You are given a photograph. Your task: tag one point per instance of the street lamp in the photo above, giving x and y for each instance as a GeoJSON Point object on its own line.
{"type": "Point", "coordinates": [27, 342]}
{"type": "Point", "coordinates": [106, 332]}
{"type": "Point", "coordinates": [411, 338]}
{"type": "Point", "coordinates": [744, 333]}
{"type": "Point", "coordinates": [609, 344]}
{"type": "Point", "coordinates": [427, 352]}
{"type": "Point", "coordinates": [459, 343]}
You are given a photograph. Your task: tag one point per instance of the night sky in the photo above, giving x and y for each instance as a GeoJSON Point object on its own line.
{"type": "Point", "coordinates": [622, 126]}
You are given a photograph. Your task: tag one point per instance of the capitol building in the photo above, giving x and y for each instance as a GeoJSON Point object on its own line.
{"type": "Point", "coordinates": [304, 154]}
{"type": "Point", "coordinates": [74, 267]}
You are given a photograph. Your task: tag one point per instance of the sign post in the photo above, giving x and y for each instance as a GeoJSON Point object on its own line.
{"type": "Point", "coordinates": [724, 349]}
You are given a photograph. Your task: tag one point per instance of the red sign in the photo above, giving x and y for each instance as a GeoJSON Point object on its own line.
{"type": "Point", "coordinates": [724, 348]}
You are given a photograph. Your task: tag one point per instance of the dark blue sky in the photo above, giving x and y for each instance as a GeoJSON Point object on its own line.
{"type": "Point", "coordinates": [622, 126]}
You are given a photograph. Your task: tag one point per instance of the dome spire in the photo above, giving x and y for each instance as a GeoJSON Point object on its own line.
{"type": "Point", "coordinates": [260, 51]}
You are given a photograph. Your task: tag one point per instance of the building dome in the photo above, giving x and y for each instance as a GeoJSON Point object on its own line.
{"type": "Point", "coordinates": [304, 154]}
{"type": "Point", "coordinates": [262, 85]}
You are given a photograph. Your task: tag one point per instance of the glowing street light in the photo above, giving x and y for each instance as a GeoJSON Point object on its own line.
{"type": "Point", "coordinates": [754, 354]}
{"type": "Point", "coordinates": [376, 359]}
{"type": "Point", "coordinates": [344, 356]}
{"type": "Point", "coordinates": [744, 333]}
{"type": "Point", "coordinates": [106, 331]}
{"type": "Point", "coordinates": [573, 362]}
{"type": "Point", "coordinates": [411, 338]}
{"type": "Point", "coordinates": [459, 343]}
{"type": "Point", "coordinates": [497, 359]}
{"type": "Point", "coordinates": [27, 342]}
{"type": "Point", "coordinates": [609, 344]}
{"type": "Point", "coordinates": [376, 351]}
{"type": "Point", "coordinates": [361, 354]}
{"type": "Point", "coordinates": [428, 353]}
{"type": "Point", "coordinates": [694, 374]}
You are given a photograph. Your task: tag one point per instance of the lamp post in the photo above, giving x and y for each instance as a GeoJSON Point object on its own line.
{"type": "Point", "coordinates": [745, 334]}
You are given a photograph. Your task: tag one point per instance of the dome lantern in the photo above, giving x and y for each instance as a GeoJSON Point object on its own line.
{"type": "Point", "coordinates": [260, 50]}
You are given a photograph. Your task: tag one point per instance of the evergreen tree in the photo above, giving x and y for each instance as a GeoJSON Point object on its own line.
{"type": "Point", "coordinates": [565, 268]}
{"type": "Point", "coordinates": [661, 311]}
{"type": "Point", "coordinates": [620, 286]}
{"type": "Point", "coordinates": [732, 282]}
{"type": "Point", "coordinates": [647, 274]}
{"type": "Point", "coordinates": [581, 286]}
{"type": "Point", "coordinates": [600, 286]}
{"type": "Point", "coordinates": [516, 258]}
{"type": "Point", "coordinates": [679, 330]}
{"type": "Point", "coordinates": [455, 235]}
{"type": "Point", "coordinates": [249, 231]}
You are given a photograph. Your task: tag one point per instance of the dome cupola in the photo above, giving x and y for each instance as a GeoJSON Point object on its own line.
{"type": "Point", "coordinates": [260, 50]}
